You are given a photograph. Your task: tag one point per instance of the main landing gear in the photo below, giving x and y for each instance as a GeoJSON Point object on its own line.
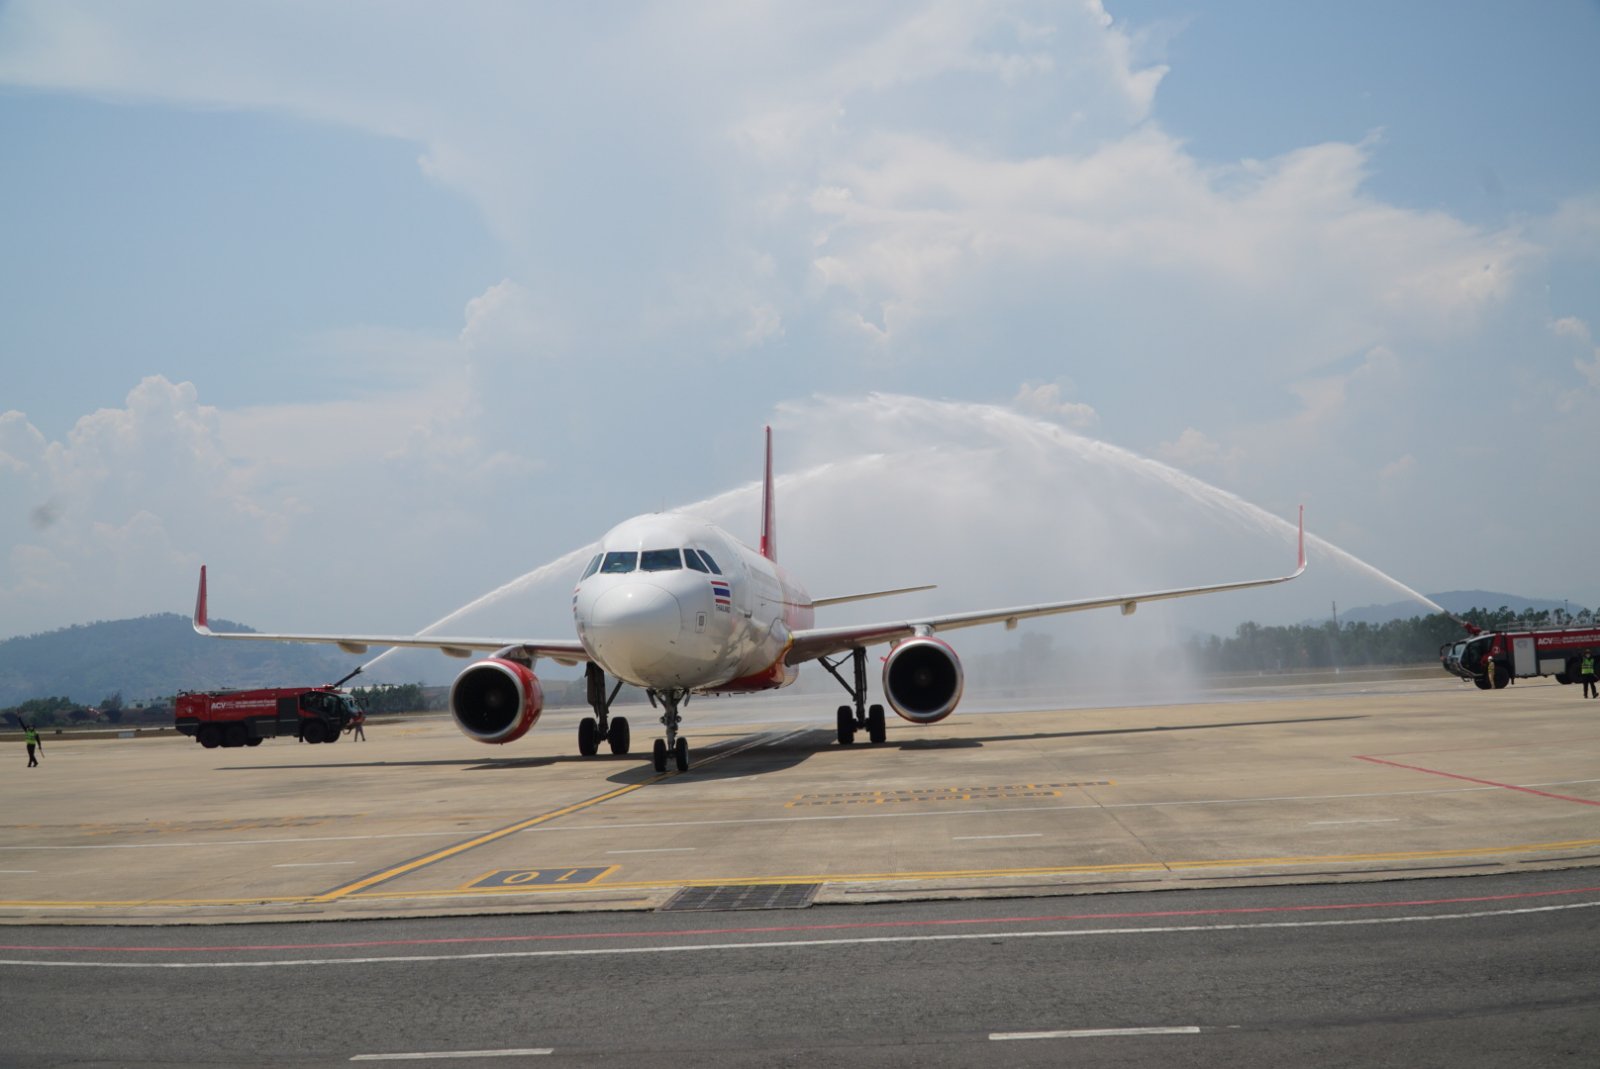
{"type": "Point", "coordinates": [592, 729]}
{"type": "Point", "coordinates": [859, 716]}
{"type": "Point", "coordinates": [673, 744]}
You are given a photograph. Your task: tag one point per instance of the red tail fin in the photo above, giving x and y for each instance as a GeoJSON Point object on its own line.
{"type": "Point", "coordinates": [769, 510]}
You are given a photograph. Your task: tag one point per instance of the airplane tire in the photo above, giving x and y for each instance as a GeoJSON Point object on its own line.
{"type": "Point", "coordinates": [619, 736]}
{"type": "Point", "coordinates": [876, 731]}
{"type": "Point", "coordinates": [588, 736]}
{"type": "Point", "coordinates": [680, 755]}
{"type": "Point", "coordinates": [847, 726]}
{"type": "Point", "coordinates": [210, 736]}
{"type": "Point", "coordinates": [660, 755]}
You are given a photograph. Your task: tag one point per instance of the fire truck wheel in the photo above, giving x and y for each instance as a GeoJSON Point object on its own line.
{"type": "Point", "coordinates": [234, 735]}
{"type": "Point", "coordinates": [330, 733]}
{"type": "Point", "coordinates": [210, 736]}
{"type": "Point", "coordinates": [312, 731]}
{"type": "Point", "coordinates": [1563, 679]}
{"type": "Point", "coordinates": [254, 742]}
{"type": "Point", "coordinates": [1502, 677]}
{"type": "Point", "coordinates": [1481, 682]}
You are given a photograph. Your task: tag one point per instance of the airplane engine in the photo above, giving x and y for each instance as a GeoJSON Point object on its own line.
{"type": "Point", "coordinates": [922, 679]}
{"type": "Point", "coordinates": [496, 700]}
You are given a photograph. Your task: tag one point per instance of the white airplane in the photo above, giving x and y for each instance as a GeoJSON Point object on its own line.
{"type": "Point", "coordinates": [678, 607]}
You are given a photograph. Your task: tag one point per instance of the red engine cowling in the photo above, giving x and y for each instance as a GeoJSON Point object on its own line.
{"type": "Point", "coordinates": [496, 700]}
{"type": "Point", "coordinates": [922, 679]}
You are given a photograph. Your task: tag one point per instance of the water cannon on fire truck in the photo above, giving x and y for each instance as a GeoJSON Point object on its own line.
{"type": "Point", "coordinates": [1517, 655]}
{"type": "Point", "coordinates": [245, 717]}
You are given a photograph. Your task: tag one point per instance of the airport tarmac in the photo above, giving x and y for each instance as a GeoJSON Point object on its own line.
{"type": "Point", "coordinates": [1343, 778]}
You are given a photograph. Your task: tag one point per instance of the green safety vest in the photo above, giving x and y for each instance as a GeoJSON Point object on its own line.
{"type": "Point", "coordinates": [1586, 666]}
{"type": "Point", "coordinates": [31, 736]}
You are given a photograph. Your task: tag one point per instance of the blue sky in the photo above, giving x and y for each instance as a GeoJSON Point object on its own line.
{"type": "Point", "coordinates": [375, 307]}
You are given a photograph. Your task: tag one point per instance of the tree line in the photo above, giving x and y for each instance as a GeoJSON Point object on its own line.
{"type": "Point", "coordinates": [58, 711]}
{"type": "Point", "coordinates": [1254, 648]}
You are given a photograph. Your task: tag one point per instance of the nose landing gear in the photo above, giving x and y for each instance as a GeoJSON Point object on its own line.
{"type": "Point", "coordinates": [673, 745]}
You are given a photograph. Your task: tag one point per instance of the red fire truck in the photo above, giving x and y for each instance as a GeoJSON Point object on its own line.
{"type": "Point", "coordinates": [245, 717]}
{"type": "Point", "coordinates": [1519, 654]}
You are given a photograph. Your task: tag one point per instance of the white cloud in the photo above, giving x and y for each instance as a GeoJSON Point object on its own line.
{"type": "Point", "coordinates": [1045, 400]}
{"type": "Point", "coordinates": [1194, 449]}
{"type": "Point", "coordinates": [1588, 365]}
{"type": "Point", "coordinates": [102, 506]}
{"type": "Point", "coordinates": [1398, 470]}
{"type": "Point", "coordinates": [927, 227]}
{"type": "Point", "coordinates": [505, 319]}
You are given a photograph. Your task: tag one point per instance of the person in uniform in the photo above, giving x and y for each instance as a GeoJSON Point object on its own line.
{"type": "Point", "coordinates": [30, 735]}
{"type": "Point", "coordinates": [1586, 674]}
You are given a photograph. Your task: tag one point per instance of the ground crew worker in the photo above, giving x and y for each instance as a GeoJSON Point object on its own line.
{"type": "Point", "coordinates": [1586, 673]}
{"type": "Point", "coordinates": [1488, 668]}
{"type": "Point", "coordinates": [357, 732]}
{"type": "Point", "coordinates": [30, 736]}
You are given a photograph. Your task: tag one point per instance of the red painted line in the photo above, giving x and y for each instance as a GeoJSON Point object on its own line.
{"type": "Point", "coordinates": [1474, 779]}
{"type": "Point", "coordinates": [1496, 746]}
{"type": "Point", "coordinates": [858, 926]}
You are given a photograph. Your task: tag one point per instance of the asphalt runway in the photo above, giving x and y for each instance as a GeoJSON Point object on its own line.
{"type": "Point", "coordinates": [1329, 780]}
{"type": "Point", "coordinates": [1488, 971]}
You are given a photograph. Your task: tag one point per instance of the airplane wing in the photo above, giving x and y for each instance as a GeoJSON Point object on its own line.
{"type": "Point", "coordinates": [814, 642]}
{"type": "Point", "coordinates": [562, 651]}
{"type": "Point", "coordinates": [818, 603]}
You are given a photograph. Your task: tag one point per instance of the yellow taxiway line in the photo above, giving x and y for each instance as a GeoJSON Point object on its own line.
{"type": "Point", "coordinates": [353, 890]}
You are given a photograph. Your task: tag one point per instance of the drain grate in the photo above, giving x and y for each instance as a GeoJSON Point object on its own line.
{"type": "Point", "coordinates": [743, 896]}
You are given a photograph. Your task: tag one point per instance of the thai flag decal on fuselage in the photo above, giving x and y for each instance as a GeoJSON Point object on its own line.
{"type": "Point", "coordinates": [722, 595]}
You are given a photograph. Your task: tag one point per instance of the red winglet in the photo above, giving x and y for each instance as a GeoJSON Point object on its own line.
{"type": "Point", "coordinates": [769, 518]}
{"type": "Point", "coordinates": [1302, 561]}
{"type": "Point", "coordinates": [200, 621]}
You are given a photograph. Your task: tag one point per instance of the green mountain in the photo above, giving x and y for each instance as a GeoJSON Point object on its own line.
{"type": "Point", "coordinates": [151, 657]}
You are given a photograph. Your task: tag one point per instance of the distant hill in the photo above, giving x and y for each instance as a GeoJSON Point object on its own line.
{"type": "Point", "coordinates": [151, 657]}
{"type": "Point", "coordinates": [1456, 601]}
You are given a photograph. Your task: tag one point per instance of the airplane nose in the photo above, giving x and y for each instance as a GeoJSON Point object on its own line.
{"type": "Point", "coordinates": [632, 628]}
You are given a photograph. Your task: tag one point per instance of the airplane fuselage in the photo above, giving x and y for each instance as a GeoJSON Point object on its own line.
{"type": "Point", "coordinates": [673, 602]}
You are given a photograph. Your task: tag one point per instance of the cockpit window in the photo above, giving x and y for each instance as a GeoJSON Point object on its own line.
{"type": "Point", "coordinates": [713, 564]}
{"type": "Point", "coordinates": [594, 566]}
{"type": "Point", "coordinates": [617, 563]}
{"type": "Point", "coordinates": [691, 557]}
{"type": "Point", "coordinates": [659, 560]}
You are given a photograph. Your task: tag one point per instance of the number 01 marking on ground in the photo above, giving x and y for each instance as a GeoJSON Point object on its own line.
{"type": "Point", "coordinates": [511, 878]}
